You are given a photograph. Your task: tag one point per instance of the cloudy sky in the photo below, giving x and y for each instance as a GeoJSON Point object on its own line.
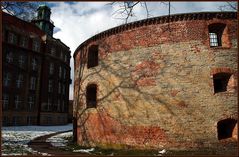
{"type": "Point", "coordinates": [77, 21]}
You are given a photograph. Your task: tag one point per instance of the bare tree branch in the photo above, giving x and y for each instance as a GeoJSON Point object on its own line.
{"type": "Point", "coordinates": [126, 9]}
{"type": "Point", "coordinates": [229, 6]}
{"type": "Point", "coordinates": [23, 10]}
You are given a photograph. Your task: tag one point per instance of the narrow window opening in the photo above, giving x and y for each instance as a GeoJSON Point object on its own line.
{"type": "Point", "coordinates": [91, 92]}
{"type": "Point", "coordinates": [216, 32]}
{"type": "Point", "coordinates": [92, 56]}
{"type": "Point", "coordinates": [225, 128]}
{"type": "Point", "coordinates": [220, 82]}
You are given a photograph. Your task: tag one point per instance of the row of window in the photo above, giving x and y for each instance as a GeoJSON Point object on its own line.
{"type": "Point", "coordinates": [61, 71]}
{"type": "Point", "coordinates": [21, 61]}
{"type": "Point", "coordinates": [60, 106]}
{"type": "Point", "coordinates": [220, 83]}
{"type": "Point", "coordinates": [19, 82]}
{"type": "Point", "coordinates": [215, 38]}
{"type": "Point", "coordinates": [7, 80]}
{"type": "Point", "coordinates": [23, 41]}
{"type": "Point", "coordinates": [18, 120]}
{"type": "Point", "coordinates": [62, 56]}
{"type": "Point", "coordinates": [31, 104]}
{"type": "Point", "coordinates": [18, 102]}
{"type": "Point", "coordinates": [61, 87]}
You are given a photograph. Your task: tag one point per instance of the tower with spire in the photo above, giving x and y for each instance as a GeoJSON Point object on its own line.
{"type": "Point", "coordinates": [43, 20]}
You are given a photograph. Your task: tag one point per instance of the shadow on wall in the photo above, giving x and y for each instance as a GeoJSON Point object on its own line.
{"type": "Point", "coordinates": [129, 80]}
{"type": "Point", "coordinates": [145, 74]}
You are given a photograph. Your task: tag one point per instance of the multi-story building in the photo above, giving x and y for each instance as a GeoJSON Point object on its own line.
{"type": "Point", "coordinates": [36, 72]}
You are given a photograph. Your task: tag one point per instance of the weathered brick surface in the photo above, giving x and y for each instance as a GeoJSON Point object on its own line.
{"type": "Point", "coordinates": [155, 86]}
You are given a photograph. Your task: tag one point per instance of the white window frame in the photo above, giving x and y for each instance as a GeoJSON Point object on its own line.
{"type": "Point", "coordinates": [24, 42]}
{"type": "Point", "coordinates": [214, 41]}
{"type": "Point", "coordinates": [50, 86]}
{"type": "Point", "coordinates": [53, 50]}
{"type": "Point", "coordinates": [19, 81]}
{"type": "Point", "coordinates": [9, 57]}
{"type": "Point", "coordinates": [51, 68]}
{"type": "Point", "coordinates": [7, 79]}
{"type": "Point", "coordinates": [12, 38]}
{"type": "Point", "coordinates": [36, 45]}
{"type": "Point", "coordinates": [31, 102]}
{"type": "Point", "coordinates": [17, 102]}
{"type": "Point", "coordinates": [65, 59]}
{"type": "Point", "coordinates": [61, 55]}
{"type": "Point", "coordinates": [5, 100]}
{"type": "Point", "coordinates": [33, 83]}
{"type": "Point", "coordinates": [34, 64]}
{"type": "Point", "coordinates": [21, 60]}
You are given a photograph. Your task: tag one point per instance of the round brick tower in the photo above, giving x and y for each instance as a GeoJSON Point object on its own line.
{"type": "Point", "coordinates": [163, 82]}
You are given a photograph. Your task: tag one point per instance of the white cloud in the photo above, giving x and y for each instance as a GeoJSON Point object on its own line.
{"type": "Point", "coordinates": [79, 21]}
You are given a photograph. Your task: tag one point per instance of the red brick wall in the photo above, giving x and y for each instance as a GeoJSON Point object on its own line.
{"type": "Point", "coordinates": [155, 87]}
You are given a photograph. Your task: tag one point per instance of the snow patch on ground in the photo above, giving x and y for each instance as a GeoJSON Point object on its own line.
{"type": "Point", "coordinates": [15, 138]}
{"type": "Point", "coordinates": [85, 150]}
{"type": "Point", "coordinates": [60, 140]}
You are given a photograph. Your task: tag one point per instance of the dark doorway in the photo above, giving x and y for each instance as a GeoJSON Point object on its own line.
{"type": "Point", "coordinates": [220, 82]}
{"type": "Point", "coordinates": [225, 128]}
{"type": "Point", "coordinates": [91, 92]}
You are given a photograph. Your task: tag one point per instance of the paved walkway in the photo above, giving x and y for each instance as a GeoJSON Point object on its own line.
{"type": "Point", "coordinates": [39, 144]}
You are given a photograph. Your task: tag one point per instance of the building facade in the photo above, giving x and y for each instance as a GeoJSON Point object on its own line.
{"type": "Point", "coordinates": [163, 82]}
{"type": "Point", "coordinates": [29, 83]}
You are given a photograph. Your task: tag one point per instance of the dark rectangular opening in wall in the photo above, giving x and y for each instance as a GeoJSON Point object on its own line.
{"type": "Point", "coordinates": [92, 56]}
{"type": "Point", "coordinates": [91, 93]}
{"type": "Point", "coordinates": [225, 128]}
{"type": "Point", "coordinates": [215, 34]}
{"type": "Point", "coordinates": [220, 82]}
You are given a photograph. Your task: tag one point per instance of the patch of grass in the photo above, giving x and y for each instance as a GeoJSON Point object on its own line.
{"type": "Point", "coordinates": [217, 149]}
{"type": "Point", "coordinates": [132, 152]}
{"type": "Point", "coordinates": [109, 151]}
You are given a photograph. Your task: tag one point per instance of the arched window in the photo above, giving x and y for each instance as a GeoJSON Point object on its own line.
{"type": "Point", "coordinates": [91, 94]}
{"type": "Point", "coordinates": [220, 82]}
{"type": "Point", "coordinates": [216, 32]}
{"type": "Point", "coordinates": [225, 128]}
{"type": "Point", "coordinates": [92, 56]}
